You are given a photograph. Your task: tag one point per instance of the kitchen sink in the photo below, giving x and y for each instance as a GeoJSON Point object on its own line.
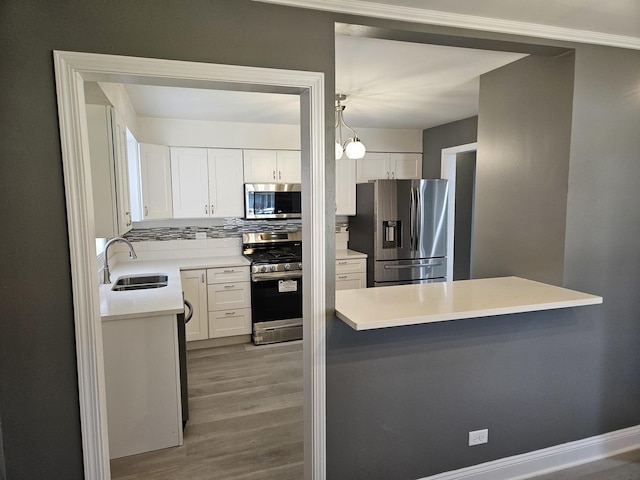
{"type": "Point", "coordinates": [140, 282]}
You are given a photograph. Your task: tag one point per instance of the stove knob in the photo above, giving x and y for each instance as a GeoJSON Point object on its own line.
{"type": "Point", "coordinates": [287, 266]}
{"type": "Point", "coordinates": [273, 268]}
{"type": "Point", "coordinates": [299, 266]}
{"type": "Point", "coordinates": [264, 268]}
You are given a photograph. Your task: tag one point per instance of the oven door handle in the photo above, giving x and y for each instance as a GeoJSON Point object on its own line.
{"type": "Point", "coordinates": [265, 277]}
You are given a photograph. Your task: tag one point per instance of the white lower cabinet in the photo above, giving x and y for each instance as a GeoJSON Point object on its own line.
{"type": "Point", "coordinates": [351, 274]}
{"type": "Point", "coordinates": [142, 380]}
{"type": "Point", "coordinates": [194, 287]}
{"type": "Point", "coordinates": [229, 301]}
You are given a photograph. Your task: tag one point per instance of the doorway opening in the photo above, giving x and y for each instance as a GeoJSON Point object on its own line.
{"type": "Point", "coordinates": [72, 70]}
{"type": "Point", "coordinates": [458, 166]}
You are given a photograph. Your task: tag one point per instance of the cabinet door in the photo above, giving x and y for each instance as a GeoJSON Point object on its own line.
{"type": "Point", "coordinates": [226, 296]}
{"type": "Point", "coordinates": [155, 177]}
{"type": "Point", "coordinates": [350, 281]}
{"type": "Point", "coordinates": [260, 166]}
{"type": "Point", "coordinates": [345, 186]}
{"type": "Point", "coordinates": [123, 201]}
{"type": "Point", "coordinates": [373, 166]}
{"type": "Point", "coordinates": [406, 165]}
{"type": "Point", "coordinates": [194, 287]}
{"type": "Point", "coordinates": [102, 171]}
{"type": "Point", "coordinates": [289, 168]}
{"type": "Point", "coordinates": [228, 323]}
{"type": "Point", "coordinates": [225, 182]}
{"type": "Point", "coordinates": [189, 182]}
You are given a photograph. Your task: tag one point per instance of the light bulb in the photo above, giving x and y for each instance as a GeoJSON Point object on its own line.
{"type": "Point", "coordinates": [355, 149]}
{"type": "Point", "coordinates": [338, 151]}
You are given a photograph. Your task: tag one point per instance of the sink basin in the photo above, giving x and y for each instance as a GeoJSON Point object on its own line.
{"type": "Point", "coordinates": [140, 282]}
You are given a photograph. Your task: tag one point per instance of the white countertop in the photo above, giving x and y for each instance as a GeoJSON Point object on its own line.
{"type": "Point", "coordinates": [380, 307]}
{"type": "Point", "coordinates": [349, 254]}
{"type": "Point", "coordinates": [154, 301]}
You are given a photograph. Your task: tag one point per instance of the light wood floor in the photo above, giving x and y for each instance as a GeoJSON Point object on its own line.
{"type": "Point", "coordinates": [245, 419]}
{"type": "Point", "coordinates": [621, 467]}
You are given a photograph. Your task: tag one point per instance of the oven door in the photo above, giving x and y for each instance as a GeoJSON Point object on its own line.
{"type": "Point", "coordinates": [276, 296]}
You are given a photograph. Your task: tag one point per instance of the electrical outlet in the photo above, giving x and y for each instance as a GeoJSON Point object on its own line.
{"type": "Point", "coordinates": [478, 437]}
{"type": "Point", "coordinates": [201, 235]}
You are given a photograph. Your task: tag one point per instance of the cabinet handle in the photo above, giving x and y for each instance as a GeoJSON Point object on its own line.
{"type": "Point", "coordinates": [388, 175]}
{"type": "Point", "coordinates": [146, 211]}
{"type": "Point", "coordinates": [229, 270]}
{"type": "Point", "coordinates": [342, 277]}
{"type": "Point", "coordinates": [202, 278]}
{"type": "Point", "coordinates": [212, 210]}
{"type": "Point", "coordinates": [279, 174]}
{"type": "Point", "coordinates": [230, 313]}
{"type": "Point", "coordinates": [342, 263]}
{"type": "Point", "coordinates": [206, 211]}
{"type": "Point", "coordinates": [128, 217]}
{"type": "Point", "coordinates": [274, 174]}
{"type": "Point", "coordinates": [229, 286]}
{"type": "Point", "coordinates": [393, 175]}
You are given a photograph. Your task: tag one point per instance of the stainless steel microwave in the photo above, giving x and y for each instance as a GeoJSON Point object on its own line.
{"type": "Point", "coordinates": [272, 200]}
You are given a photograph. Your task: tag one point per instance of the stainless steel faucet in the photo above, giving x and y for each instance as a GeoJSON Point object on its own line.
{"type": "Point", "coordinates": [106, 276]}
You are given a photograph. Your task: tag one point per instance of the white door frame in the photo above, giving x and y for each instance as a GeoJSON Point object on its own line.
{"type": "Point", "coordinates": [72, 69]}
{"type": "Point", "coordinates": [448, 171]}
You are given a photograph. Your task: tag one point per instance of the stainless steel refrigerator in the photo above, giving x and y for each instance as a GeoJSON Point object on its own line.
{"type": "Point", "coordinates": [402, 227]}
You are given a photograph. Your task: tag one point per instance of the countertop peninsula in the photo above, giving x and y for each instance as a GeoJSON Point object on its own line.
{"type": "Point", "coordinates": [382, 307]}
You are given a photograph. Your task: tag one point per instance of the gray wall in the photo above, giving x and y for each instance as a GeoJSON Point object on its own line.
{"type": "Point", "coordinates": [399, 401]}
{"type": "Point", "coordinates": [524, 134]}
{"type": "Point", "coordinates": [444, 136]}
{"type": "Point", "coordinates": [38, 390]}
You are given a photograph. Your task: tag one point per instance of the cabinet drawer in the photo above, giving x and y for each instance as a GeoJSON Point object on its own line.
{"type": "Point", "coordinates": [226, 323]}
{"type": "Point", "coordinates": [225, 296]}
{"type": "Point", "coordinates": [227, 274]}
{"type": "Point", "coordinates": [349, 281]}
{"type": "Point", "coordinates": [351, 266]}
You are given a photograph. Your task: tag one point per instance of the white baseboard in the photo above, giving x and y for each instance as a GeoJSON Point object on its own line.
{"type": "Point", "coordinates": [549, 459]}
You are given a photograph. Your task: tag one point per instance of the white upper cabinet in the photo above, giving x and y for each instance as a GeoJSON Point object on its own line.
{"type": "Point", "coordinates": [123, 200]}
{"type": "Point", "coordinates": [102, 170]}
{"type": "Point", "coordinates": [289, 168]}
{"type": "Point", "coordinates": [155, 179]}
{"type": "Point", "coordinates": [345, 186]}
{"type": "Point", "coordinates": [405, 165]}
{"type": "Point", "coordinates": [376, 165]}
{"type": "Point", "coordinates": [272, 166]}
{"type": "Point", "coordinates": [189, 182]}
{"type": "Point", "coordinates": [206, 182]}
{"type": "Point", "coordinates": [225, 182]}
{"type": "Point", "coordinates": [109, 171]}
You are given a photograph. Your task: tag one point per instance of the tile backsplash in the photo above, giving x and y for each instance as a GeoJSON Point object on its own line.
{"type": "Point", "coordinates": [232, 227]}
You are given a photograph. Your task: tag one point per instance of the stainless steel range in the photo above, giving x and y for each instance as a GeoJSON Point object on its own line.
{"type": "Point", "coordinates": [276, 285]}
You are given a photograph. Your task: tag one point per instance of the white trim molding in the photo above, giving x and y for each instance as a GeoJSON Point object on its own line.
{"type": "Point", "coordinates": [458, 20]}
{"type": "Point", "coordinates": [559, 457]}
{"type": "Point", "coordinates": [72, 69]}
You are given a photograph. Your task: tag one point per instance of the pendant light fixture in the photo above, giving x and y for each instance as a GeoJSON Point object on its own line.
{"type": "Point", "coordinates": [352, 146]}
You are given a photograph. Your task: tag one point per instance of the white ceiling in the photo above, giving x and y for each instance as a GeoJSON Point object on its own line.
{"type": "Point", "coordinates": [397, 84]}
{"type": "Point", "coordinates": [214, 105]}
{"type": "Point", "coordinates": [389, 84]}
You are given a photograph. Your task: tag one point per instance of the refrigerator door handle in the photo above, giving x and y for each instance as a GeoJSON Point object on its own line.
{"type": "Point", "coordinates": [413, 265]}
{"type": "Point", "coordinates": [419, 213]}
{"type": "Point", "coordinates": [412, 218]}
